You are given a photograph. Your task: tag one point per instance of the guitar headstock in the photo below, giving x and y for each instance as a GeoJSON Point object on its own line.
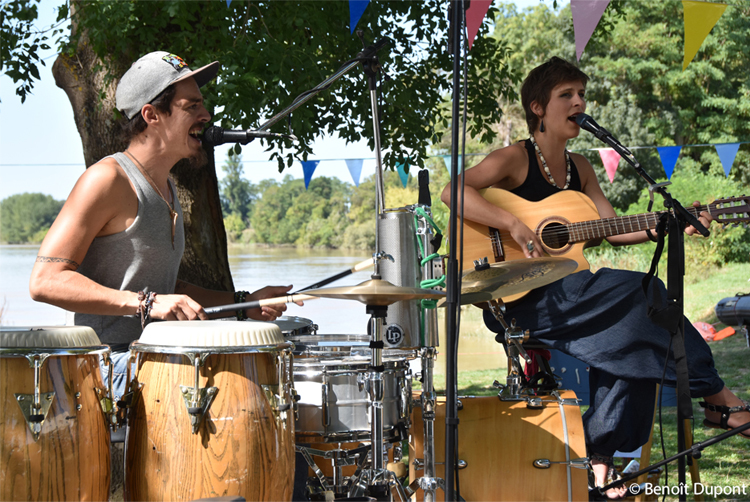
{"type": "Point", "coordinates": [731, 210]}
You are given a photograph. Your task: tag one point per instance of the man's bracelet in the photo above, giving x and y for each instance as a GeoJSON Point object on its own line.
{"type": "Point", "coordinates": [239, 297]}
{"type": "Point", "coordinates": [651, 236]}
{"type": "Point", "coordinates": [145, 304]}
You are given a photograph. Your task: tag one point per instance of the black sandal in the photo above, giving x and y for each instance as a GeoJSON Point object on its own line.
{"type": "Point", "coordinates": [612, 476]}
{"type": "Point", "coordinates": [725, 411]}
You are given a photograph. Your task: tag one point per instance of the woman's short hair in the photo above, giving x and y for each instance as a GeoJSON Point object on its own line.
{"type": "Point", "coordinates": [541, 80]}
{"type": "Point", "coordinates": [163, 102]}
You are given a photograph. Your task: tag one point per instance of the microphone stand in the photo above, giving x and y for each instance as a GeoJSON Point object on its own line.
{"type": "Point", "coordinates": [452, 289]}
{"type": "Point", "coordinates": [673, 313]}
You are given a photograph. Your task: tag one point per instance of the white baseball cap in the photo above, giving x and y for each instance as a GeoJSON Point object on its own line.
{"type": "Point", "coordinates": [153, 73]}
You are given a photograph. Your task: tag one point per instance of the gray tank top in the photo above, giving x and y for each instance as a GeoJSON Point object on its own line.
{"type": "Point", "coordinates": [139, 258]}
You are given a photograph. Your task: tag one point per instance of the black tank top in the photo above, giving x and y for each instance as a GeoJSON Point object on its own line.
{"type": "Point", "coordinates": [536, 187]}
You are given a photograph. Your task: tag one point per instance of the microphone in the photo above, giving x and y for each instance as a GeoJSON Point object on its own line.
{"type": "Point", "coordinates": [590, 125]}
{"type": "Point", "coordinates": [215, 135]}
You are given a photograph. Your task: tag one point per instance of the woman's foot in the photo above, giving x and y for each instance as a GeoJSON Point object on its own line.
{"type": "Point", "coordinates": [605, 473]}
{"type": "Point", "coordinates": [726, 411]}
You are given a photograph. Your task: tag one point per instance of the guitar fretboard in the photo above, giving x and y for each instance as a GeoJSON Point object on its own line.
{"type": "Point", "coordinates": [599, 229]}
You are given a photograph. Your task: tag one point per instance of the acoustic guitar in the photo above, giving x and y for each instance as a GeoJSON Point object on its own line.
{"type": "Point", "coordinates": [567, 223]}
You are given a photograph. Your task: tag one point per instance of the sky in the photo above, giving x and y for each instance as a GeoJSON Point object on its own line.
{"type": "Point", "coordinates": [40, 149]}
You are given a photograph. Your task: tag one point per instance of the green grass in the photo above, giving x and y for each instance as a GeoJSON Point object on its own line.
{"type": "Point", "coordinates": [723, 464]}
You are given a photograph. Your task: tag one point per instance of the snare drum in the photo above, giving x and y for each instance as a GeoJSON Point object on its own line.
{"type": "Point", "coordinates": [295, 326]}
{"type": "Point", "coordinates": [330, 376]}
{"type": "Point", "coordinates": [213, 413]}
{"type": "Point", "coordinates": [500, 441]}
{"type": "Point", "coordinates": [54, 435]}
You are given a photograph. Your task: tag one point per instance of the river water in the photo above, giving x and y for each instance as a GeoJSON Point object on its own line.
{"type": "Point", "coordinates": [252, 267]}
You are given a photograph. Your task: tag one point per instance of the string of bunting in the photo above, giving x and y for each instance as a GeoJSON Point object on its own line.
{"type": "Point", "coordinates": [667, 154]}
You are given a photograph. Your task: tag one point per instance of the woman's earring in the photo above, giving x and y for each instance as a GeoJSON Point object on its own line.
{"type": "Point", "coordinates": [541, 128]}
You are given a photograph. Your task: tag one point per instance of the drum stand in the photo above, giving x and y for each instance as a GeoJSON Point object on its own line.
{"type": "Point", "coordinates": [428, 482]}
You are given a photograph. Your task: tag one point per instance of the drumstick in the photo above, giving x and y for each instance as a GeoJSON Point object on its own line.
{"type": "Point", "coordinates": [356, 268]}
{"type": "Point", "coordinates": [258, 303]}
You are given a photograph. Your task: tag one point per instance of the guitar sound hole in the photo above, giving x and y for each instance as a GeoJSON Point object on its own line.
{"type": "Point", "coordinates": [555, 236]}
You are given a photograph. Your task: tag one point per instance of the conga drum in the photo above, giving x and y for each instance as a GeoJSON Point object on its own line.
{"type": "Point", "coordinates": [510, 451]}
{"type": "Point", "coordinates": [213, 413]}
{"type": "Point", "coordinates": [54, 436]}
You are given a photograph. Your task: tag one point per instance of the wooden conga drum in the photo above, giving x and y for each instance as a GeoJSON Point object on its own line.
{"type": "Point", "coordinates": [500, 441]}
{"type": "Point", "coordinates": [213, 413]}
{"type": "Point", "coordinates": [54, 436]}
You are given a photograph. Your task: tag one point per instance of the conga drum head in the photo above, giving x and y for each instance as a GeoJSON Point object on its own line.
{"type": "Point", "coordinates": [54, 435]}
{"type": "Point", "coordinates": [214, 412]}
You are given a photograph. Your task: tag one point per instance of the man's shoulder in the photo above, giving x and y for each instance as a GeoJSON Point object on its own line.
{"type": "Point", "coordinates": [105, 178]}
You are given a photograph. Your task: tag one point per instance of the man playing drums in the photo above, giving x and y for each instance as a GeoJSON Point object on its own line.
{"type": "Point", "coordinates": [113, 253]}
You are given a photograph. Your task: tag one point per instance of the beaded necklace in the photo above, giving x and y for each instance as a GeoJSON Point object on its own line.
{"type": "Point", "coordinates": [546, 169]}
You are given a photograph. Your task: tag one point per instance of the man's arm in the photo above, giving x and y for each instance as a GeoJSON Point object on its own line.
{"type": "Point", "coordinates": [102, 202]}
{"type": "Point", "coordinates": [212, 298]}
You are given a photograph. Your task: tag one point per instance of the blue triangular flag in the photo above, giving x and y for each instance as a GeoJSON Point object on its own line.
{"type": "Point", "coordinates": [668, 156]}
{"type": "Point", "coordinates": [356, 9]}
{"type": "Point", "coordinates": [447, 159]}
{"type": "Point", "coordinates": [401, 168]}
{"type": "Point", "coordinates": [228, 2]}
{"type": "Point", "coordinates": [727, 152]}
{"type": "Point", "coordinates": [308, 167]}
{"type": "Point", "coordinates": [355, 169]}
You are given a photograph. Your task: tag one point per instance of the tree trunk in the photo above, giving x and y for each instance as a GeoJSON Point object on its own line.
{"type": "Point", "coordinates": [205, 262]}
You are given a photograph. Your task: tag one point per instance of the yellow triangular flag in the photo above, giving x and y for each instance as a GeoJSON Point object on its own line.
{"type": "Point", "coordinates": [700, 18]}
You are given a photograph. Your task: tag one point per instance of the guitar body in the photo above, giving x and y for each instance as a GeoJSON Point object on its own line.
{"type": "Point", "coordinates": [546, 218]}
{"type": "Point", "coordinates": [566, 224]}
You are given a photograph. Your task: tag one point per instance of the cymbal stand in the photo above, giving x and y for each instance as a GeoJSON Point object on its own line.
{"type": "Point", "coordinates": [513, 390]}
{"type": "Point", "coordinates": [376, 480]}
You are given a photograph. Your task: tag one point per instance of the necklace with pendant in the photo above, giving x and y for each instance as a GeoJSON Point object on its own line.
{"type": "Point", "coordinates": [546, 169]}
{"type": "Point", "coordinates": [172, 213]}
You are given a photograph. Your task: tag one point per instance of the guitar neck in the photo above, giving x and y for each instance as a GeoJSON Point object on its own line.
{"type": "Point", "coordinates": [599, 229]}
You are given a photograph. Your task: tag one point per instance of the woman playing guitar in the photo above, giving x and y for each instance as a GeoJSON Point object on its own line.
{"type": "Point", "coordinates": [598, 318]}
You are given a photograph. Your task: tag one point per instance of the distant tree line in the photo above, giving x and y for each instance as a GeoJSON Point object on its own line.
{"type": "Point", "coordinates": [330, 213]}
{"type": "Point", "coordinates": [26, 217]}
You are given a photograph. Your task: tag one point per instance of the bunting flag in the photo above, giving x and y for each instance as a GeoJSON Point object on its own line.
{"type": "Point", "coordinates": [727, 152]}
{"type": "Point", "coordinates": [356, 9]}
{"type": "Point", "coordinates": [668, 156]}
{"type": "Point", "coordinates": [401, 168]}
{"type": "Point", "coordinates": [474, 18]}
{"type": "Point", "coordinates": [586, 15]}
{"type": "Point", "coordinates": [355, 169]}
{"type": "Point", "coordinates": [447, 160]}
{"type": "Point", "coordinates": [700, 18]}
{"type": "Point", "coordinates": [228, 2]}
{"type": "Point", "coordinates": [610, 159]}
{"type": "Point", "coordinates": [308, 167]}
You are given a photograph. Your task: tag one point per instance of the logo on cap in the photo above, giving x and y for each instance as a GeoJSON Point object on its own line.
{"type": "Point", "coordinates": [176, 61]}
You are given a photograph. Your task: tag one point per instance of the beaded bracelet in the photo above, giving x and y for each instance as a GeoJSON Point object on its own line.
{"type": "Point", "coordinates": [239, 297]}
{"type": "Point", "coordinates": [145, 304]}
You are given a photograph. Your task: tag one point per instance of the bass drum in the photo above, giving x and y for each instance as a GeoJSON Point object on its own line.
{"type": "Point", "coordinates": [61, 450]}
{"type": "Point", "coordinates": [213, 413]}
{"type": "Point", "coordinates": [501, 440]}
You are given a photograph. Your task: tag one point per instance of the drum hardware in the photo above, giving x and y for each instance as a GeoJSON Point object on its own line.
{"type": "Point", "coordinates": [197, 399]}
{"type": "Point", "coordinates": [35, 406]}
{"type": "Point", "coordinates": [419, 465]}
{"type": "Point", "coordinates": [340, 458]}
{"type": "Point", "coordinates": [578, 463]}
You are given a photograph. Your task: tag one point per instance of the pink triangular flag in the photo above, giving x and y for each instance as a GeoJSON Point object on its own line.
{"type": "Point", "coordinates": [611, 160]}
{"type": "Point", "coordinates": [474, 17]}
{"type": "Point", "coordinates": [586, 15]}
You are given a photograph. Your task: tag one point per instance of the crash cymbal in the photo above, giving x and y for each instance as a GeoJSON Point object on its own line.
{"type": "Point", "coordinates": [509, 278]}
{"type": "Point", "coordinates": [376, 292]}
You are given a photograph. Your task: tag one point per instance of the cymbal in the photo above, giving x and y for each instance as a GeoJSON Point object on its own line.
{"type": "Point", "coordinates": [513, 277]}
{"type": "Point", "coordinates": [517, 276]}
{"type": "Point", "coordinates": [376, 292]}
